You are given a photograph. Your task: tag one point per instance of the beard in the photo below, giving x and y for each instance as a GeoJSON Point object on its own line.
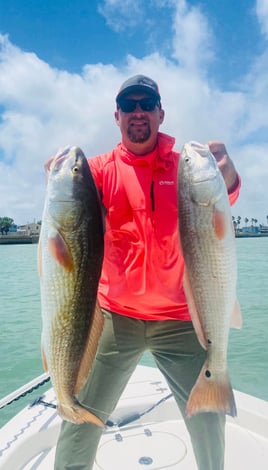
{"type": "Point", "coordinates": [138, 134]}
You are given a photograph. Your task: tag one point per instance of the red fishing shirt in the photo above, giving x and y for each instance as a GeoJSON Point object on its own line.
{"type": "Point", "coordinates": [143, 266]}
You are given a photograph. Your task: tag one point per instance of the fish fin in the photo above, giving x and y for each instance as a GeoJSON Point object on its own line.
{"type": "Point", "coordinates": [44, 360]}
{"type": "Point", "coordinates": [89, 354]}
{"type": "Point", "coordinates": [59, 249]}
{"type": "Point", "coordinates": [219, 223]}
{"type": "Point", "coordinates": [236, 317]}
{"type": "Point", "coordinates": [78, 414]}
{"type": "Point", "coordinates": [211, 395]}
{"type": "Point", "coordinates": [193, 310]}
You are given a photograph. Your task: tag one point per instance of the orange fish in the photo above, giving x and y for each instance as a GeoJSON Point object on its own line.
{"type": "Point", "coordinates": [208, 246]}
{"type": "Point", "coordinates": [70, 261]}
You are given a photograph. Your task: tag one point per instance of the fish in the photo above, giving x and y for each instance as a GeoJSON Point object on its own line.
{"type": "Point", "coordinates": [207, 241]}
{"type": "Point", "coordinates": [70, 257]}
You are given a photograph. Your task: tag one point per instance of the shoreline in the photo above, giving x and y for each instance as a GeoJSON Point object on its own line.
{"type": "Point", "coordinates": [18, 239]}
{"type": "Point", "coordinates": [251, 235]}
{"type": "Point", "coordinates": [31, 239]}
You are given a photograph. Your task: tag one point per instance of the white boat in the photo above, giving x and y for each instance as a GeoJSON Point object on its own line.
{"type": "Point", "coordinates": [146, 432]}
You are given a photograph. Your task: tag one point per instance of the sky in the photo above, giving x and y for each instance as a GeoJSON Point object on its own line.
{"type": "Point", "coordinates": [63, 61]}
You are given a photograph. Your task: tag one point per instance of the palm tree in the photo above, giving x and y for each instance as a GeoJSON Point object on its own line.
{"type": "Point", "coordinates": [238, 222]}
{"type": "Point", "coordinates": [234, 223]}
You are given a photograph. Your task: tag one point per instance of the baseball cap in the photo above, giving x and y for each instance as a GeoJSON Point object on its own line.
{"type": "Point", "coordinates": [138, 83]}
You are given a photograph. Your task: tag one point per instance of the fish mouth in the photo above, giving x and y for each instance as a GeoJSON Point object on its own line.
{"type": "Point", "coordinates": [201, 161]}
{"type": "Point", "coordinates": [60, 158]}
{"type": "Point", "coordinates": [208, 176]}
{"type": "Point", "coordinates": [201, 149]}
{"type": "Point", "coordinates": [56, 199]}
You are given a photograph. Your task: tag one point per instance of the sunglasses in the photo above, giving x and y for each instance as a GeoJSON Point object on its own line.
{"type": "Point", "coordinates": [146, 104]}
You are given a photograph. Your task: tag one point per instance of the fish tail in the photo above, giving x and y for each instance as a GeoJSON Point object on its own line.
{"type": "Point", "coordinates": [211, 394]}
{"type": "Point", "coordinates": [78, 414]}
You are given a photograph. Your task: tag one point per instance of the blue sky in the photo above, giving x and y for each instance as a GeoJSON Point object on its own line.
{"type": "Point", "coordinates": [70, 34]}
{"type": "Point", "coordinates": [61, 63]}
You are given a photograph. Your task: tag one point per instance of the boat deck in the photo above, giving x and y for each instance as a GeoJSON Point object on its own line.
{"type": "Point", "coordinates": [157, 440]}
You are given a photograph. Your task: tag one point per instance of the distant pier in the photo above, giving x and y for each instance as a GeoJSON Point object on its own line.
{"type": "Point", "coordinates": [251, 234]}
{"type": "Point", "coordinates": [16, 239]}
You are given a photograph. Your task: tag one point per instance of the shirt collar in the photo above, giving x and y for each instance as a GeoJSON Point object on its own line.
{"type": "Point", "coordinates": [160, 156]}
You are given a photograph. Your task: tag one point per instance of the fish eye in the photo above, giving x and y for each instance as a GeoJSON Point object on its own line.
{"type": "Point", "coordinates": [75, 169]}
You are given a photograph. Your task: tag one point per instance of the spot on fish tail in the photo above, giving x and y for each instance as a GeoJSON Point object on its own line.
{"type": "Point", "coordinates": [211, 395]}
{"type": "Point", "coordinates": [219, 223]}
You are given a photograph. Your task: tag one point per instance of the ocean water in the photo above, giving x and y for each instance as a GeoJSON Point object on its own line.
{"type": "Point", "coordinates": [20, 320]}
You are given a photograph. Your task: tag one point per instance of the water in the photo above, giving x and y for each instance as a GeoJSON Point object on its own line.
{"type": "Point", "coordinates": [20, 317]}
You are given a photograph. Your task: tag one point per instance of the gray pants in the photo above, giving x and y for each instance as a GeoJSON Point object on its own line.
{"type": "Point", "coordinates": [178, 355]}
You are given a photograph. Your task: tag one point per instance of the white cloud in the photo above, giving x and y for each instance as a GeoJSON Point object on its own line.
{"type": "Point", "coordinates": [253, 201]}
{"type": "Point", "coordinates": [262, 15]}
{"type": "Point", "coordinates": [255, 90]}
{"type": "Point", "coordinates": [43, 109]}
{"type": "Point", "coordinates": [192, 41]}
{"type": "Point", "coordinates": [121, 14]}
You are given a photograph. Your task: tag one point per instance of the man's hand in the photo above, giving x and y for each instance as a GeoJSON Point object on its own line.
{"type": "Point", "coordinates": [225, 164]}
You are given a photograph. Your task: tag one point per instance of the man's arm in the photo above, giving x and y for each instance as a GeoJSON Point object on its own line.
{"type": "Point", "coordinates": [225, 164]}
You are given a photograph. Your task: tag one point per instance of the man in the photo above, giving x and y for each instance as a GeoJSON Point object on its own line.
{"type": "Point", "coordinates": [140, 289]}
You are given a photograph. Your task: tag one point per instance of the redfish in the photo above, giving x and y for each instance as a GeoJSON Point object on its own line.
{"type": "Point", "coordinates": [208, 246]}
{"type": "Point", "coordinates": [70, 260]}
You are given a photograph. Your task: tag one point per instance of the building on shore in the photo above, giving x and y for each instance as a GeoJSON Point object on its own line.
{"type": "Point", "coordinates": [252, 231]}
{"type": "Point", "coordinates": [22, 234]}
{"type": "Point", "coordinates": [32, 229]}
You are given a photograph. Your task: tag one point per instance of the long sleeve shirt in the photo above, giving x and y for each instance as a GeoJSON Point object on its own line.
{"type": "Point", "coordinates": [142, 275]}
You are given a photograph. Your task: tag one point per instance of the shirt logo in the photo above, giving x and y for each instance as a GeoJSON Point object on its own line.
{"type": "Point", "coordinates": [166, 182]}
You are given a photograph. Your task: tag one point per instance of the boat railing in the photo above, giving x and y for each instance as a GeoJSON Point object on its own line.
{"type": "Point", "coordinates": [42, 379]}
{"type": "Point", "coordinates": [25, 389]}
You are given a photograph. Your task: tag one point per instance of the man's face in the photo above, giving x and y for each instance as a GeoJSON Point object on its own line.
{"type": "Point", "coordinates": [140, 125]}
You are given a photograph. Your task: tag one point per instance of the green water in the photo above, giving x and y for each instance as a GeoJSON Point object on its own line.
{"type": "Point", "coordinates": [20, 318]}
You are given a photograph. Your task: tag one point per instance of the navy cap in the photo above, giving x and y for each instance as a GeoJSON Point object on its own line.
{"type": "Point", "coordinates": [136, 84]}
